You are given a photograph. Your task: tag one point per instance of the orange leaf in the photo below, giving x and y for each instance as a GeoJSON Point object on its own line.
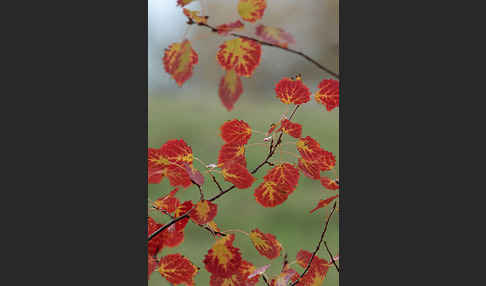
{"type": "Point", "coordinates": [204, 212]}
{"type": "Point", "coordinates": [224, 29]}
{"type": "Point", "coordinates": [265, 243]}
{"type": "Point", "coordinates": [276, 36]}
{"type": "Point", "coordinates": [330, 184]}
{"type": "Point", "coordinates": [242, 55]}
{"type": "Point", "coordinates": [183, 3]}
{"type": "Point", "coordinates": [292, 91]}
{"type": "Point", "coordinates": [268, 195]}
{"type": "Point", "coordinates": [323, 203]}
{"type": "Point", "coordinates": [152, 265]}
{"type": "Point", "coordinates": [223, 259]}
{"type": "Point", "coordinates": [293, 129]}
{"type": "Point", "coordinates": [238, 175]}
{"type": "Point", "coordinates": [328, 93]}
{"type": "Point", "coordinates": [251, 10]}
{"type": "Point", "coordinates": [167, 203]}
{"type": "Point", "coordinates": [179, 59]}
{"type": "Point", "coordinates": [230, 89]}
{"type": "Point", "coordinates": [177, 269]}
{"type": "Point", "coordinates": [285, 175]}
{"type": "Point", "coordinates": [236, 131]}
{"type": "Point", "coordinates": [231, 152]}
{"type": "Point", "coordinates": [194, 16]}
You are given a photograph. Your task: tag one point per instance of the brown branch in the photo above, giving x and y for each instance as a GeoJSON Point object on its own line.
{"type": "Point", "coordinates": [216, 182]}
{"type": "Point", "coordinates": [270, 154]}
{"type": "Point", "coordinates": [332, 258]}
{"type": "Point", "coordinates": [265, 279]}
{"type": "Point", "coordinates": [317, 248]}
{"type": "Point", "coordinates": [215, 30]}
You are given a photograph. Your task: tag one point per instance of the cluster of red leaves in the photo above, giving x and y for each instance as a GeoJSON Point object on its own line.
{"type": "Point", "coordinates": [177, 269]}
{"type": "Point", "coordinates": [226, 265]}
{"type": "Point", "coordinates": [314, 159]}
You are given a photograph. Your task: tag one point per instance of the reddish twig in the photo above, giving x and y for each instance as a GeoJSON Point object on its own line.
{"type": "Point", "coordinates": [317, 248]}
{"type": "Point", "coordinates": [190, 22]}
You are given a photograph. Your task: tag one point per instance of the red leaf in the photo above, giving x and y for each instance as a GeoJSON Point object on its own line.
{"type": "Point", "coordinates": [223, 259]}
{"type": "Point", "coordinates": [328, 93]}
{"type": "Point", "coordinates": [179, 59]}
{"type": "Point", "coordinates": [265, 243]}
{"type": "Point", "coordinates": [268, 195]}
{"type": "Point", "coordinates": [238, 175]}
{"type": "Point", "coordinates": [232, 152]}
{"type": "Point", "coordinates": [167, 203]}
{"type": "Point", "coordinates": [235, 131]}
{"type": "Point", "coordinates": [323, 203]}
{"type": "Point", "coordinates": [230, 89]}
{"type": "Point", "coordinates": [276, 36]}
{"type": "Point", "coordinates": [285, 175]}
{"type": "Point", "coordinates": [239, 278]}
{"type": "Point", "coordinates": [156, 244]}
{"type": "Point", "coordinates": [204, 212]}
{"type": "Point", "coordinates": [292, 91]}
{"type": "Point", "coordinates": [180, 211]}
{"type": "Point", "coordinates": [309, 168]}
{"type": "Point", "coordinates": [177, 269]}
{"type": "Point", "coordinates": [242, 55]}
{"type": "Point", "coordinates": [330, 184]}
{"type": "Point", "coordinates": [152, 265]}
{"type": "Point", "coordinates": [172, 236]}
{"type": "Point", "coordinates": [290, 128]}
{"type": "Point", "coordinates": [224, 29]}
{"type": "Point", "coordinates": [318, 270]}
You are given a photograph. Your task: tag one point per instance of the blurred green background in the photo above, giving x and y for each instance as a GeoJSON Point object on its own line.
{"type": "Point", "coordinates": [197, 121]}
{"type": "Point", "coordinates": [194, 113]}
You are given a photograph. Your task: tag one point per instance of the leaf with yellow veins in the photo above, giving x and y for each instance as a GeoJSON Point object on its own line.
{"type": "Point", "coordinates": [204, 212]}
{"type": "Point", "coordinates": [223, 259]}
{"type": "Point", "coordinates": [242, 55]}
{"type": "Point", "coordinates": [179, 59]}
{"type": "Point", "coordinates": [251, 10]}
{"type": "Point", "coordinates": [230, 89]}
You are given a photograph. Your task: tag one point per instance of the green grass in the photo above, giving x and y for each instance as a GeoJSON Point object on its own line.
{"type": "Point", "coordinates": [197, 121]}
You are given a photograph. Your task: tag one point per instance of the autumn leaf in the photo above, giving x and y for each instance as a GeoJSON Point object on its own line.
{"type": "Point", "coordinates": [330, 184]}
{"type": "Point", "coordinates": [290, 128]}
{"type": "Point", "coordinates": [179, 59]}
{"type": "Point", "coordinates": [194, 16]}
{"type": "Point", "coordinates": [167, 203]}
{"type": "Point", "coordinates": [284, 277]}
{"type": "Point", "coordinates": [236, 131]}
{"type": "Point", "coordinates": [238, 175]}
{"type": "Point", "coordinates": [242, 55]}
{"type": "Point", "coordinates": [259, 271]}
{"type": "Point", "coordinates": [177, 269]}
{"type": "Point", "coordinates": [181, 210]}
{"type": "Point", "coordinates": [265, 243]}
{"type": "Point", "coordinates": [268, 195]}
{"type": "Point", "coordinates": [328, 93]}
{"type": "Point", "coordinates": [223, 259]}
{"type": "Point", "coordinates": [230, 89]}
{"type": "Point", "coordinates": [239, 278]}
{"type": "Point", "coordinates": [173, 236]}
{"type": "Point", "coordinates": [153, 264]}
{"type": "Point", "coordinates": [224, 29]}
{"type": "Point", "coordinates": [177, 151]}
{"type": "Point", "coordinates": [276, 36]}
{"type": "Point", "coordinates": [309, 168]}
{"type": "Point", "coordinates": [204, 212]}
{"type": "Point", "coordinates": [323, 203]}
{"type": "Point", "coordinates": [231, 152]}
{"type": "Point", "coordinates": [292, 91]}
{"type": "Point", "coordinates": [251, 10]}
{"type": "Point", "coordinates": [272, 128]}
{"type": "Point", "coordinates": [156, 244]}
{"type": "Point", "coordinates": [317, 271]}
{"type": "Point", "coordinates": [183, 3]}
{"type": "Point", "coordinates": [157, 163]}
{"type": "Point", "coordinates": [194, 174]}
{"type": "Point", "coordinates": [285, 175]}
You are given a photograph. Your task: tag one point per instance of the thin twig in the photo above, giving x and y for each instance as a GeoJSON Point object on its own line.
{"type": "Point", "coordinates": [190, 22]}
{"type": "Point", "coordinates": [265, 279]}
{"type": "Point", "coordinates": [332, 258]}
{"type": "Point", "coordinates": [317, 248]}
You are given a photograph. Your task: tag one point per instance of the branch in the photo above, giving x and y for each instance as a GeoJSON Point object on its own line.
{"type": "Point", "coordinates": [215, 30]}
{"type": "Point", "coordinates": [270, 154]}
{"type": "Point", "coordinates": [317, 248]}
{"type": "Point", "coordinates": [332, 258]}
